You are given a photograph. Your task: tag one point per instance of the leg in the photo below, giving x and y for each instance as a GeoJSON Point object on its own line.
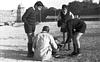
{"type": "Point", "coordinates": [69, 46]}
{"type": "Point", "coordinates": [63, 31]}
{"type": "Point", "coordinates": [54, 52]}
{"type": "Point", "coordinates": [63, 42]}
{"type": "Point", "coordinates": [68, 43]}
{"type": "Point", "coordinates": [63, 37]}
{"type": "Point", "coordinates": [29, 29]}
{"type": "Point", "coordinates": [76, 43]}
{"type": "Point", "coordinates": [30, 44]}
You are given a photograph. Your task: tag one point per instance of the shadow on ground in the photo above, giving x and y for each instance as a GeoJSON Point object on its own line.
{"type": "Point", "coordinates": [12, 54]}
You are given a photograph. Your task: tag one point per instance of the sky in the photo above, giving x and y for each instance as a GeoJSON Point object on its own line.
{"type": "Point", "coordinates": [12, 4]}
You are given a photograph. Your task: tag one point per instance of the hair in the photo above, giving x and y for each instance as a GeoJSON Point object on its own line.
{"type": "Point", "coordinates": [64, 6]}
{"type": "Point", "coordinates": [38, 3]}
{"type": "Point", "coordinates": [46, 28]}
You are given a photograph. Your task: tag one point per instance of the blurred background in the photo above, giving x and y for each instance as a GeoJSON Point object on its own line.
{"type": "Point", "coordinates": [12, 11]}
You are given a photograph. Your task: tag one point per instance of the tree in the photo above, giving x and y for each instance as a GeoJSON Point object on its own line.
{"type": "Point", "coordinates": [75, 7]}
{"type": "Point", "coordinates": [83, 8]}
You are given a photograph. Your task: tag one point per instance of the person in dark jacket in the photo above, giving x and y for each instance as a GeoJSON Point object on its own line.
{"type": "Point", "coordinates": [63, 17]}
{"type": "Point", "coordinates": [76, 28]}
{"type": "Point", "coordinates": [29, 19]}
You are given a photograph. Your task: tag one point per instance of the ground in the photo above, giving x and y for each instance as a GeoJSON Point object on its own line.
{"type": "Point", "coordinates": [13, 43]}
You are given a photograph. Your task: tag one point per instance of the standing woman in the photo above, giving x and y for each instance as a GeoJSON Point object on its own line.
{"type": "Point", "coordinates": [63, 17]}
{"type": "Point", "coordinates": [76, 28]}
{"type": "Point", "coordinates": [29, 19]}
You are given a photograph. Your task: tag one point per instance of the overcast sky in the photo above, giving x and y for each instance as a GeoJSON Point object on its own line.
{"type": "Point", "coordinates": [12, 4]}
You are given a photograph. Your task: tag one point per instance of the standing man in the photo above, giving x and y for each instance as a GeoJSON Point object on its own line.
{"type": "Point", "coordinates": [29, 19]}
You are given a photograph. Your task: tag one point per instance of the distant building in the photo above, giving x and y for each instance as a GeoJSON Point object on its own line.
{"type": "Point", "coordinates": [7, 15]}
{"type": "Point", "coordinates": [12, 15]}
{"type": "Point", "coordinates": [20, 10]}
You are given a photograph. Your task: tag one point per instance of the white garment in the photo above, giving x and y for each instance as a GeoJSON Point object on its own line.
{"type": "Point", "coordinates": [42, 44]}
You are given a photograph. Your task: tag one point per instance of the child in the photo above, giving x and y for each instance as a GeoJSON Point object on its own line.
{"type": "Point", "coordinates": [64, 15]}
{"type": "Point", "coordinates": [29, 19]}
{"type": "Point", "coordinates": [44, 45]}
{"type": "Point", "coordinates": [76, 28]}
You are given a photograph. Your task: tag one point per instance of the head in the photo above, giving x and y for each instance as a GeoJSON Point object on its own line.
{"type": "Point", "coordinates": [65, 8]}
{"type": "Point", "coordinates": [38, 5]}
{"type": "Point", "coordinates": [46, 28]}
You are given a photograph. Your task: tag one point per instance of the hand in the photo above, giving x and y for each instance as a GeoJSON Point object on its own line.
{"type": "Point", "coordinates": [36, 23]}
{"type": "Point", "coordinates": [63, 25]}
{"type": "Point", "coordinates": [30, 34]}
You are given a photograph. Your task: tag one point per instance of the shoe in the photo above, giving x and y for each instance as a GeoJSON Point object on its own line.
{"type": "Point", "coordinates": [78, 54]}
{"type": "Point", "coordinates": [74, 54]}
{"type": "Point", "coordinates": [30, 52]}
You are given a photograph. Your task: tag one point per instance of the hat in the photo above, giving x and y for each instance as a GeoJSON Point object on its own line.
{"type": "Point", "coordinates": [64, 6]}
{"type": "Point", "coordinates": [38, 3]}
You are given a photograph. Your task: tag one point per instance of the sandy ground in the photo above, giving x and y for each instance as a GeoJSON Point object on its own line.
{"type": "Point", "coordinates": [13, 43]}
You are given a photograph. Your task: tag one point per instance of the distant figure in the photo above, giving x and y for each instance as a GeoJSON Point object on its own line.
{"type": "Point", "coordinates": [43, 45]}
{"type": "Point", "coordinates": [76, 28]}
{"type": "Point", "coordinates": [29, 19]}
{"type": "Point", "coordinates": [63, 17]}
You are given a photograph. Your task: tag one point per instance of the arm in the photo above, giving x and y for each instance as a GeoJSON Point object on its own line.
{"type": "Point", "coordinates": [53, 43]}
{"type": "Point", "coordinates": [58, 17]}
{"type": "Point", "coordinates": [72, 15]}
{"type": "Point", "coordinates": [26, 14]}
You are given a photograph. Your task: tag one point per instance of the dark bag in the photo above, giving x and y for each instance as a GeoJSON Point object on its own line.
{"type": "Point", "coordinates": [63, 28]}
{"type": "Point", "coordinates": [59, 23]}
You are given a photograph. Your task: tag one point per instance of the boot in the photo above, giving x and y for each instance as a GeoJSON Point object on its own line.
{"type": "Point", "coordinates": [74, 51]}
{"type": "Point", "coordinates": [30, 52]}
{"type": "Point", "coordinates": [78, 52]}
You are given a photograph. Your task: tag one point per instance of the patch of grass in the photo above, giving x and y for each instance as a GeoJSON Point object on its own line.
{"type": "Point", "coordinates": [90, 43]}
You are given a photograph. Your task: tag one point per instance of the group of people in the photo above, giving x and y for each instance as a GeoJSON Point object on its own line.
{"type": "Point", "coordinates": [43, 43]}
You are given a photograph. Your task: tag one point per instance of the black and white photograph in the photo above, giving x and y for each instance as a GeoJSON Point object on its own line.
{"type": "Point", "coordinates": [50, 31]}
